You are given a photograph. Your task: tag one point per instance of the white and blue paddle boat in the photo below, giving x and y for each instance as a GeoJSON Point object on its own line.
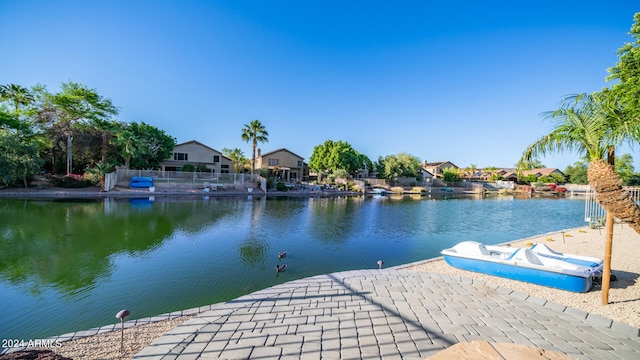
{"type": "Point", "coordinates": [537, 265]}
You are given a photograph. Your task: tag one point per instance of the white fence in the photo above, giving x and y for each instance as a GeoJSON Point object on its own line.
{"type": "Point", "coordinates": [594, 213]}
{"type": "Point", "coordinates": [110, 181]}
{"type": "Point", "coordinates": [196, 178]}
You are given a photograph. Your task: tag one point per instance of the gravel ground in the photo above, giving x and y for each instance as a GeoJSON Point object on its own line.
{"type": "Point", "coordinates": [107, 345]}
{"type": "Point", "coordinates": [624, 294]}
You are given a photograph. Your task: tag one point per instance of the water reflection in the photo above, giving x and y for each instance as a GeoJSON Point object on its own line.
{"type": "Point", "coordinates": [156, 255]}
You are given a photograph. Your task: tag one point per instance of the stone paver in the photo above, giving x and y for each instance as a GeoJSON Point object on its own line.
{"type": "Point", "coordinates": [389, 313]}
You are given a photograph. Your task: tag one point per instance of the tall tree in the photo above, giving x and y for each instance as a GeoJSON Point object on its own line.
{"type": "Point", "coordinates": [403, 164]}
{"type": "Point", "coordinates": [155, 146]}
{"type": "Point", "coordinates": [333, 155]}
{"type": "Point", "coordinates": [254, 132]}
{"type": "Point", "coordinates": [625, 74]}
{"type": "Point", "coordinates": [76, 102]}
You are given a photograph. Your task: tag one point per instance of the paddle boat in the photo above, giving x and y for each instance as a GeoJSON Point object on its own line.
{"type": "Point", "coordinates": [537, 265]}
{"type": "Point", "coordinates": [141, 182]}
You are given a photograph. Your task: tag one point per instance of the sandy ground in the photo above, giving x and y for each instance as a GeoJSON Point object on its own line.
{"type": "Point", "coordinates": [623, 306]}
{"type": "Point", "coordinates": [624, 293]}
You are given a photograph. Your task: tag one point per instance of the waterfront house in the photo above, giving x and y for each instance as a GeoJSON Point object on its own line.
{"type": "Point", "coordinates": [437, 168]}
{"type": "Point", "coordinates": [197, 154]}
{"type": "Point", "coordinates": [426, 176]}
{"type": "Point", "coordinates": [513, 176]}
{"type": "Point", "coordinates": [284, 164]}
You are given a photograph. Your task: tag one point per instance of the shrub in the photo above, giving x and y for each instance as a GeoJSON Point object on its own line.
{"type": "Point", "coordinates": [93, 178]}
{"type": "Point", "coordinates": [397, 190]}
{"type": "Point", "coordinates": [203, 168]}
{"type": "Point", "coordinates": [280, 186]}
{"type": "Point", "coordinates": [69, 181]}
{"type": "Point", "coordinates": [188, 168]}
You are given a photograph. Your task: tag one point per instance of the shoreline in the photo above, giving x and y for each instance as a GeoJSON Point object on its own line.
{"type": "Point", "coordinates": [623, 307]}
{"type": "Point", "coordinates": [120, 192]}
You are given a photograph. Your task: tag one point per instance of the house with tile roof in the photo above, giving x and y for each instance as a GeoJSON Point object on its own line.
{"type": "Point", "coordinates": [197, 154]}
{"type": "Point", "coordinates": [437, 168]}
{"type": "Point", "coordinates": [284, 164]}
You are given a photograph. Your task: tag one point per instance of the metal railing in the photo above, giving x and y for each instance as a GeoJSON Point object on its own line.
{"type": "Point", "coordinates": [594, 213]}
{"type": "Point", "coordinates": [180, 177]}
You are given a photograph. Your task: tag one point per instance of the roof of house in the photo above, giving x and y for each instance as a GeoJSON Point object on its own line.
{"type": "Point", "coordinates": [425, 170]}
{"type": "Point", "coordinates": [281, 149]}
{"type": "Point", "coordinates": [195, 142]}
{"type": "Point", "coordinates": [438, 163]}
{"type": "Point", "coordinates": [536, 172]}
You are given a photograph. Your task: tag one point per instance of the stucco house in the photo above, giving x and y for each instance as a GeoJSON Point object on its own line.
{"type": "Point", "coordinates": [426, 176]}
{"type": "Point", "coordinates": [285, 164]}
{"type": "Point", "coordinates": [437, 168]}
{"type": "Point", "coordinates": [196, 153]}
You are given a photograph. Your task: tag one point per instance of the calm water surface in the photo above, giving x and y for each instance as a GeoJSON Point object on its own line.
{"type": "Point", "coordinates": [70, 265]}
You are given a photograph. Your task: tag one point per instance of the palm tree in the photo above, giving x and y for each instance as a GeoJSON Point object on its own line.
{"type": "Point", "coordinates": [101, 169]}
{"type": "Point", "coordinates": [18, 95]}
{"type": "Point", "coordinates": [254, 132]}
{"type": "Point", "coordinates": [593, 125]}
{"type": "Point", "coordinates": [471, 171]}
{"type": "Point", "coordinates": [237, 157]}
{"type": "Point", "coordinates": [129, 143]}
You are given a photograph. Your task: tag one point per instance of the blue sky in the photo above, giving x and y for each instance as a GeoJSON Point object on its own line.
{"type": "Point", "coordinates": [460, 81]}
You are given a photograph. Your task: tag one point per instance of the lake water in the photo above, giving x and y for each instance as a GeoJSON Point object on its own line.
{"type": "Point", "coordinates": [69, 265]}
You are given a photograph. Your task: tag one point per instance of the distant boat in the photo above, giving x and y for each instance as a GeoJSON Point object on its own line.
{"type": "Point", "coordinates": [538, 265]}
{"type": "Point", "coordinates": [379, 191]}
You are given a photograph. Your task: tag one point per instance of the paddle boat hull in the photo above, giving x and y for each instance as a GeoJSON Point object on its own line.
{"type": "Point", "coordinates": [525, 265]}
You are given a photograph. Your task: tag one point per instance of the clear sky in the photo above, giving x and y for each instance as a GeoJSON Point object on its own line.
{"type": "Point", "coordinates": [461, 81]}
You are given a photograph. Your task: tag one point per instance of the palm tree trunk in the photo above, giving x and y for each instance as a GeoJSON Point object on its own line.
{"type": "Point", "coordinates": [606, 271]}
{"type": "Point", "coordinates": [253, 156]}
{"type": "Point", "coordinates": [611, 196]}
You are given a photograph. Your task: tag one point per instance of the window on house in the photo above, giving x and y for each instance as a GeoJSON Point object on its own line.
{"type": "Point", "coordinates": [216, 158]}
{"type": "Point", "coordinates": [181, 156]}
{"type": "Point", "coordinates": [273, 162]}
{"type": "Point", "coordinates": [300, 163]}
{"type": "Point", "coordinates": [224, 166]}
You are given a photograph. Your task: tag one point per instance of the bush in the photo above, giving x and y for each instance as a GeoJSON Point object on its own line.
{"type": "Point", "coordinates": [203, 168]}
{"type": "Point", "coordinates": [94, 179]}
{"type": "Point", "coordinates": [397, 190]}
{"type": "Point", "coordinates": [188, 168]}
{"type": "Point", "coordinates": [69, 181]}
{"type": "Point", "coordinates": [280, 186]}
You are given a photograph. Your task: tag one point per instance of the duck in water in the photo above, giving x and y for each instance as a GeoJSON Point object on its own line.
{"type": "Point", "coordinates": [281, 268]}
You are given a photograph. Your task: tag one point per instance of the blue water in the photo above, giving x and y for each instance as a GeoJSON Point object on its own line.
{"type": "Point", "coordinates": [71, 265]}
